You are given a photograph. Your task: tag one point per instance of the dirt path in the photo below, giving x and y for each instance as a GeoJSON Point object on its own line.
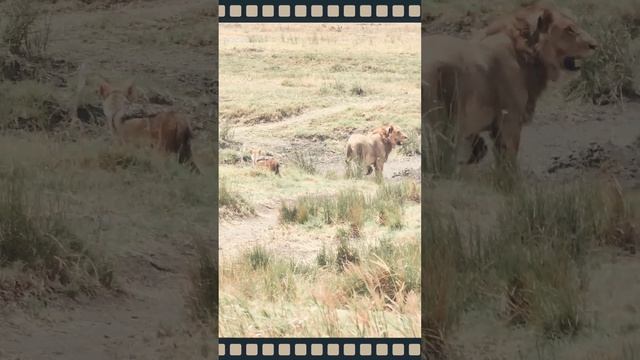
{"type": "Point", "coordinates": [239, 235]}
{"type": "Point", "coordinates": [255, 134]}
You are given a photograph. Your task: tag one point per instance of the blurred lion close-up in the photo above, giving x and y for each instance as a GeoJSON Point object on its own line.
{"type": "Point", "coordinates": [492, 83]}
{"type": "Point", "coordinates": [529, 252]}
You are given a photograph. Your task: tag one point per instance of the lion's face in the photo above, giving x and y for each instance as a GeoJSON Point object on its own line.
{"type": "Point", "coordinates": [396, 136]}
{"type": "Point", "coordinates": [563, 44]}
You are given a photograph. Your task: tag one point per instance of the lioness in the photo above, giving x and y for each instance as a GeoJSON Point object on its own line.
{"type": "Point", "coordinates": [492, 83]}
{"type": "Point", "coordinates": [373, 149]}
{"type": "Point", "coordinates": [165, 131]}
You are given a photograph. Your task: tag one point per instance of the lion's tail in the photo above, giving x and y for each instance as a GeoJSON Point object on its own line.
{"type": "Point", "coordinates": [184, 134]}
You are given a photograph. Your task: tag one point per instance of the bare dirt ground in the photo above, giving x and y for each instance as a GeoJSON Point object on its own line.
{"type": "Point", "coordinates": [167, 48]}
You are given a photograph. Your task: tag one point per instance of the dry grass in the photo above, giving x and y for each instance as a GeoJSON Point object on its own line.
{"type": "Point", "coordinates": [357, 291]}
{"type": "Point", "coordinates": [26, 32]}
{"type": "Point", "coordinates": [231, 203]}
{"type": "Point", "coordinates": [36, 238]}
{"type": "Point", "coordinates": [530, 266]}
{"type": "Point", "coordinates": [53, 219]}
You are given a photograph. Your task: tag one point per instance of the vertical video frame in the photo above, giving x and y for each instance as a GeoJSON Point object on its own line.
{"type": "Point", "coordinates": [319, 174]}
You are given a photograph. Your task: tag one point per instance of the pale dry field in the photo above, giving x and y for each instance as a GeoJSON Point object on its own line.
{"type": "Point", "coordinates": [299, 91]}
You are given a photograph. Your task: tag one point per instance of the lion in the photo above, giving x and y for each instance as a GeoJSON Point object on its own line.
{"type": "Point", "coordinates": [166, 131]}
{"type": "Point", "coordinates": [491, 83]}
{"type": "Point", "coordinates": [373, 149]}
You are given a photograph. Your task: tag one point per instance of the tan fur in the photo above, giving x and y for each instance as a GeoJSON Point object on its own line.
{"type": "Point", "coordinates": [268, 163]}
{"type": "Point", "coordinates": [256, 154]}
{"type": "Point", "coordinates": [492, 82]}
{"type": "Point", "coordinates": [373, 149]}
{"type": "Point", "coordinates": [167, 131]}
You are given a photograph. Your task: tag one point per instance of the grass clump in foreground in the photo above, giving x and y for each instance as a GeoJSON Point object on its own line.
{"type": "Point", "coordinates": [304, 162]}
{"type": "Point", "coordinates": [353, 207]}
{"type": "Point", "coordinates": [352, 291]}
{"type": "Point", "coordinates": [232, 203]}
{"type": "Point", "coordinates": [536, 257]}
{"type": "Point", "coordinates": [38, 240]}
{"type": "Point", "coordinates": [203, 298]}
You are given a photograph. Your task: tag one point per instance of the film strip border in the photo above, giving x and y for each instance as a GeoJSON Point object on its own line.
{"type": "Point", "coordinates": [320, 348]}
{"type": "Point", "coordinates": [319, 11]}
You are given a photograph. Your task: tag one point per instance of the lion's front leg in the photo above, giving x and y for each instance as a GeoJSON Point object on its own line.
{"type": "Point", "coordinates": [506, 136]}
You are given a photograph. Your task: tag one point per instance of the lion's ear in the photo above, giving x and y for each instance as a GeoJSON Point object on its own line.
{"type": "Point", "coordinates": [389, 129]}
{"type": "Point", "coordinates": [544, 21]}
{"type": "Point", "coordinates": [104, 90]}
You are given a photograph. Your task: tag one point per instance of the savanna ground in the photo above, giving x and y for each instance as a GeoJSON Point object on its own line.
{"type": "Point", "coordinates": [548, 268]}
{"type": "Point", "coordinates": [104, 249]}
{"type": "Point", "coordinates": [319, 250]}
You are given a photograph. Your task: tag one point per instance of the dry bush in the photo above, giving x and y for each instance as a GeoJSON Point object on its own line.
{"type": "Point", "coordinates": [203, 299]}
{"type": "Point", "coordinates": [25, 33]}
{"type": "Point", "coordinates": [232, 203]}
{"type": "Point", "coordinates": [29, 105]}
{"type": "Point", "coordinates": [36, 237]}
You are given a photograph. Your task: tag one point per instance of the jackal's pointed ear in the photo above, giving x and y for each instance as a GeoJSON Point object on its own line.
{"type": "Point", "coordinates": [104, 90]}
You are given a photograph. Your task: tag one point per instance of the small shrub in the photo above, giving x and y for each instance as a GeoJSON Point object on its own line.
{"type": "Point", "coordinates": [226, 135]}
{"type": "Point", "coordinates": [259, 258]}
{"type": "Point", "coordinates": [354, 170]}
{"type": "Point", "coordinates": [350, 206]}
{"type": "Point", "coordinates": [444, 270]}
{"type": "Point", "coordinates": [399, 192]}
{"type": "Point", "coordinates": [304, 162]}
{"type": "Point", "coordinates": [204, 286]}
{"type": "Point", "coordinates": [346, 206]}
{"type": "Point", "coordinates": [29, 105]}
{"type": "Point", "coordinates": [231, 157]}
{"type": "Point", "coordinates": [21, 34]}
{"type": "Point", "coordinates": [439, 158]}
{"type": "Point", "coordinates": [345, 255]}
{"type": "Point", "coordinates": [39, 240]}
{"type": "Point", "coordinates": [389, 213]}
{"type": "Point", "coordinates": [541, 248]}
{"type": "Point", "coordinates": [325, 258]}
{"type": "Point", "coordinates": [233, 203]}
{"type": "Point", "coordinates": [114, 160]}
